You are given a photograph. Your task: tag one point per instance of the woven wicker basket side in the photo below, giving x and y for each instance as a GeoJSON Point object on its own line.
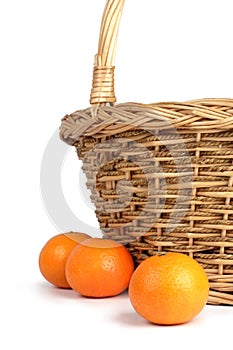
{"type": "Point", "coordinates": [160, 175]}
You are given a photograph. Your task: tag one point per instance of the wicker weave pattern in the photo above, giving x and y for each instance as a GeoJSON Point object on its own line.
{"type": "Point", "coordinates": [200, 115]}
{"type": "Point", "coordinates": [125, 210]}
{"type": "Point", "coordinates": [160, 175]}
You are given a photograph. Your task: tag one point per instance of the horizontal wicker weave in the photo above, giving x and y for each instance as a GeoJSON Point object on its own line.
{"type": "Point", "coordinates": [160, 175]}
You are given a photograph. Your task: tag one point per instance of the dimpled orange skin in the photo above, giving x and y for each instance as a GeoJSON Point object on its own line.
{"type": "Point", "coordinates": [170, 289]}
{"type": "Point", "coordinates": [99, 268]}
{"type": "Point", "coordinates": [53, 256]}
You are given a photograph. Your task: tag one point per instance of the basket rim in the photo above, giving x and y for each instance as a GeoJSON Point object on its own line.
{"type": "Point", "coordinates": [198, 116]}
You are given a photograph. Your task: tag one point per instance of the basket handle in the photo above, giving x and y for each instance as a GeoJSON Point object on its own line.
{"type": "Point", "coordinates": [103, 90]}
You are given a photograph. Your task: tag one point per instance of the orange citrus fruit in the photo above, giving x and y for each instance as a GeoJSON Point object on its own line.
{"type": "Point", "coordinates": [99, 268]}
{"type": "Point", "coordinates": [169, 289]}
{"type": "Point", "coordinates": [53, 256]}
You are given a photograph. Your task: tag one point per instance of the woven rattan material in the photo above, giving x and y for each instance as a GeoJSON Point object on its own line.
{"type": "Point", "coordinates": [160, 175]}
{"type": "Point", "coordinates": [103, 85]}
{"type": "Point", "coordinates": [128, 213]}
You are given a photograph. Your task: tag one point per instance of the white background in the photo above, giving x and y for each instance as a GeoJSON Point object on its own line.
{"type": "Point", "coordinates": [168, 50]}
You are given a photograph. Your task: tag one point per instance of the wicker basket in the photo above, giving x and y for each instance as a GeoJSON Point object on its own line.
{"type": "Point", "coordinates": [160, 175]}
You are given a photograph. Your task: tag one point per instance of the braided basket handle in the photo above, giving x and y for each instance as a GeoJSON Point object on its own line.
{"type": "Point", "coordinates": [103, 90]}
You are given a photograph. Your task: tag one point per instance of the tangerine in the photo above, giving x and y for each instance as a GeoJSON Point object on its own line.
{"type": "Point", "coordinates": [169, 289]}
{"type": "Point", "coordinates": [53, 256]}
{"type": "Point", "coordinates": [99, 268]}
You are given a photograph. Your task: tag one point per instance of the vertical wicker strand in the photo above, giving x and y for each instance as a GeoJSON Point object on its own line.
{"type": "Point", "coordinates": [193, 206]}
{"type": "Point", "coordinates": [158, 200]}
{"type": "Point", "coordinates": [224, 231]}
